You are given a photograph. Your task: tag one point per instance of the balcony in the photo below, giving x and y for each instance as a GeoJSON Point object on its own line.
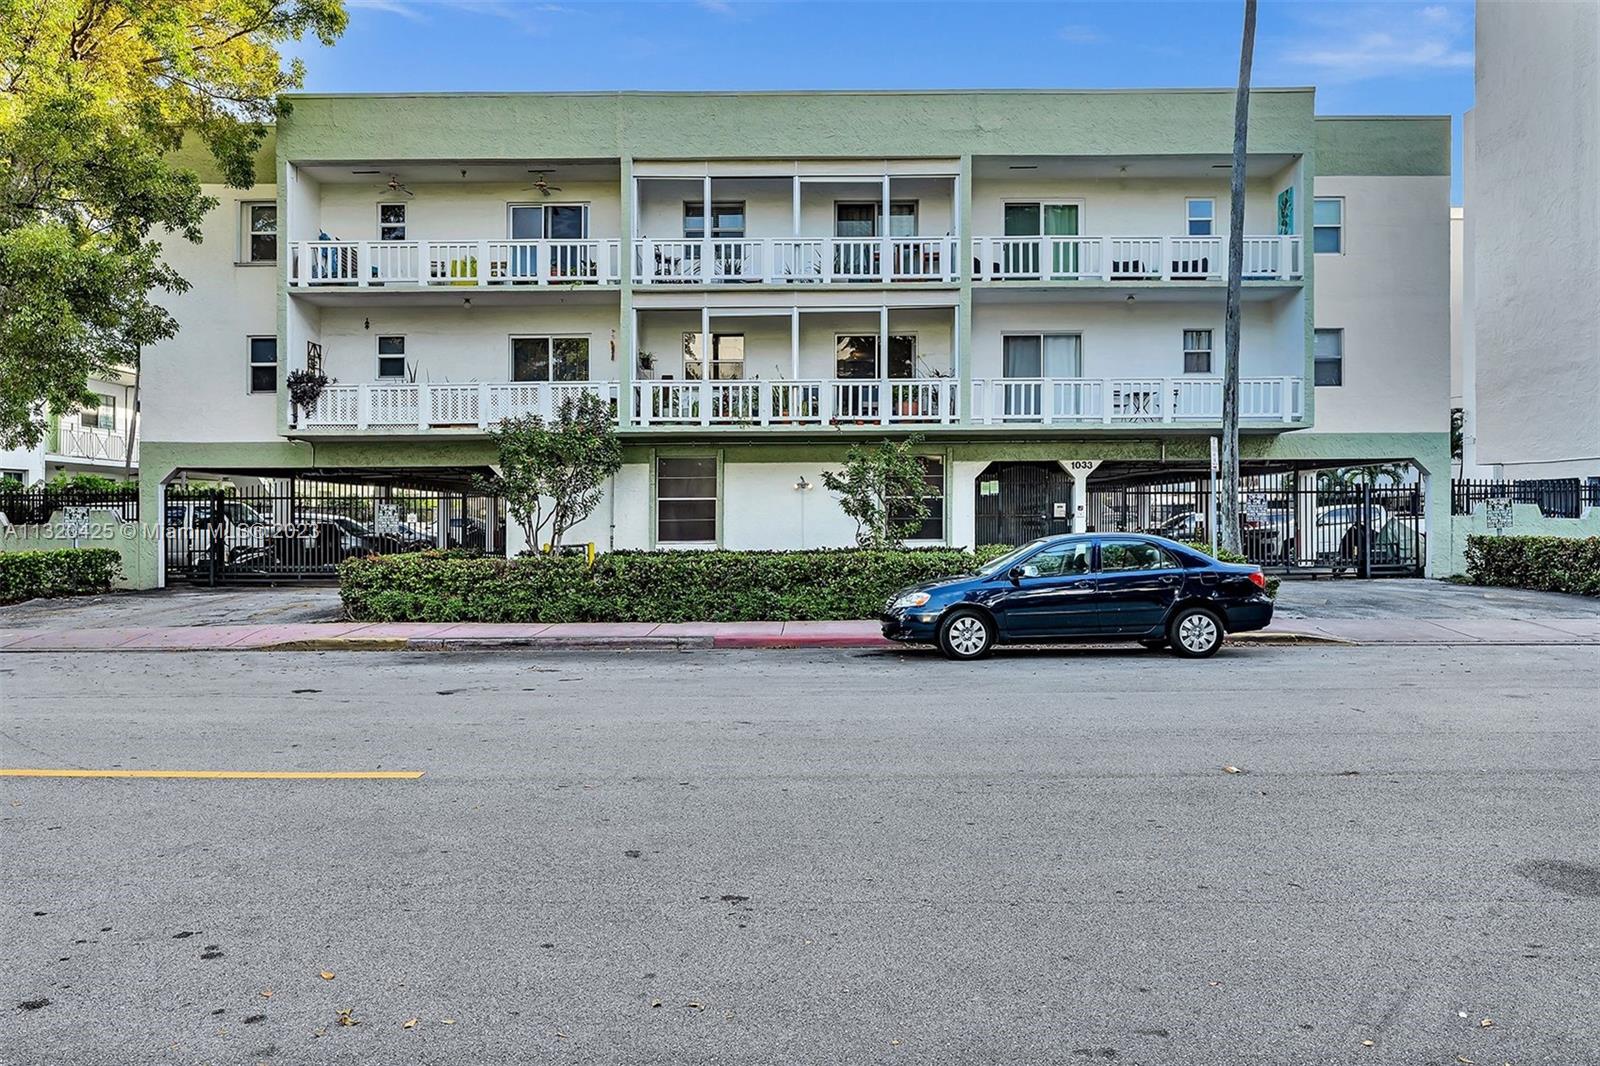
{"type": "Point", "coordinates": [425, 406]}
{"type": "Point", "coordinates": [75, 443]}
{"type": "Point", "coordinates": [795, 260]}
{"type": "Point", "coordinates": [1132, 258]}
{"type": "Point", "coordinates": [473, 264]}
{"type": "Point", "coordinates": [1122, 401]}
{"type": "Point", "coordinates": [919, 401]}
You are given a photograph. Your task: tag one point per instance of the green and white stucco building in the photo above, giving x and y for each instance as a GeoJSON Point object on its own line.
{"type": "Point", "coordinates": [1032, 282]}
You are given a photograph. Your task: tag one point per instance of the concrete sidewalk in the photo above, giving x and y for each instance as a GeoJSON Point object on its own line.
{"type": "Point", "coordinates": [378, 636]}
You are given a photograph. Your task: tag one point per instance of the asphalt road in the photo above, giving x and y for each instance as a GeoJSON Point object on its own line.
{"type": "Point", "coordinates": [792, 857]}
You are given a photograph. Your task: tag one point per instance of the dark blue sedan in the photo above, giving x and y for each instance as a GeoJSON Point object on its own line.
{"type": "Point", "coordinates": [1109, 586]}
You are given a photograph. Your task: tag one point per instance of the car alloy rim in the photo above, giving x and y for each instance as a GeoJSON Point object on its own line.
{"type": "Point", "coordinates": [967, 635]}
{"type": "Point", "coordinates": [1197, 632]}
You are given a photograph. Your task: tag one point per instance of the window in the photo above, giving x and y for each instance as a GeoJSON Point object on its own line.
{"type": "Point", "coordinates": [14, 475]}
{"type": "Point", "coordinates": [1036, 219]}
{"type": "Point", "coordinates": [1327, 225]}
{"type": "Point", "coordinates": [1201, 213]}
{"type": "Point", "coordinates": [101, 413]}
{"type": "Point", "coordinates": [931, 527]}
{"type": "Point", "coordinates": [1123, 555]}
{"type": "Point", "coordinates": [727, 356]}
{"type": "Point", "coordinates": [1197, 351]}
{"type": "Point", "coordinates": [549, 358]}
{"type": "Point", "coordinates": [686, 500]}
{"type": "Point", "coordinates": [1328, 351]}
{"type": "Point", "coordinates": [391, 222]}
{"type": "Point", "coordinates": [856, 355]}
{"type": "Point", "coordinates": [391, 357]}
{"type": "Point", "coordinates": [860, 218]}
{"type": "Point", "coordinates": [727, 219]}
{"type": "Point", "coordinates": [562, 222]}
{"type": "Point", "coordinates": [260, 233]}
{"type": "Point", "coordinates": [1060, 560]}
{"type": "Point", "coordinates": [263, 364]}
{"type": "Point", "coordinates": [1042, 355]}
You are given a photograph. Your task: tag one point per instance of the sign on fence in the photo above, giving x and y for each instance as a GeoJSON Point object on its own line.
{"type": "Point", "coordinates": [386, 519]}
{"type": "Point", "coordinates": [1497, 514]}
{"type": "Point", "coordinates": [1255, 507]}
{"type": "Point", "coordinates": [75, 523]}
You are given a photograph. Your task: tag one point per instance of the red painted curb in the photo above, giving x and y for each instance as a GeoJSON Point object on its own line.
{"type": "Point", "coordinates": [799, 640]}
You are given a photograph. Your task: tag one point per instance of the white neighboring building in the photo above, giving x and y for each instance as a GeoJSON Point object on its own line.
{"type": "Point", "coordinates": [1530, 370]}
{"type": "Point", "coordinates": [92, 440]}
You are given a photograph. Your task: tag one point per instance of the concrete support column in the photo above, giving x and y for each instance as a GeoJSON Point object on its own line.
{"type": "Point", "coordinates": [963, 493]}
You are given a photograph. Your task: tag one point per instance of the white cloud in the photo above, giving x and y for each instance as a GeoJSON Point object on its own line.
{"type": "Point", "coordinates": [523, 13]}
{"type": "Point", "coordinates": [389, 7]}
{"type": "Point", "coordinates": [1080, 35]}
{"type": "Point", "coordinates": [1373, 41]}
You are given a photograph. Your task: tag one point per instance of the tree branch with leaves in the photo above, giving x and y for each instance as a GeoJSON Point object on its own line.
{"type": "Point", "coordinates": [553, 474]}
{"type": "Point", "coordinates": [883, 488]}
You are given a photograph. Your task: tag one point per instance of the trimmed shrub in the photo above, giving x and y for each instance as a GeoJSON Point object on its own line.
{"type": "Point", "coordinates": [1548, 564]}
{"type": "Point", "coordinates": [662, 586]}
{"type": "Point", "coordinates": [25, 575]}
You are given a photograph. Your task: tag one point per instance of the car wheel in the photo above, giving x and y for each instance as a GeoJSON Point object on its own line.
{"type": "Point", "coordinates": [1154, 645]}
{"type": "Point", "coordinates": [1195, 633]}
{"type": "Point", "coordinates": [966, 635]}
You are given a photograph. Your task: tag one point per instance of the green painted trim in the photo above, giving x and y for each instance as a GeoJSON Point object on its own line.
{"type": "Point", "coordinates": [1383, 146]}
{"type": "Point", "coordinates": [489, 127]}
{"type": "Point", "coordinates": [193, 155]}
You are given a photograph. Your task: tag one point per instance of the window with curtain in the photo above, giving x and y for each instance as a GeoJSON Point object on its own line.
{"type": "Point", "coordinates": [1327, 225]}
{"type": "Point", "coordinates": [530, 222]}
{"type": "Point", "coordinates": [727, 219]}
{"type": "Point", "coordinates": [856, 356]}
{"type": "Point", "coordinates": [1197, 351]}
{"type": "Point", "coordinates": [686, 500]}
{"type": "Point", "coordinates": [1042, 355]}
{"type": "Point", "coordinates": [727, 356]}
{"type": "Point", "coordinates": [861, 218]}
{"type": "Point", "coordinates": [100, 414]}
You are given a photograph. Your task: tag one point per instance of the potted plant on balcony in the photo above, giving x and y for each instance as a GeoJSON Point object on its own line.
{"type": "Point", "coordinates": [647, 364]}
{"type": "Point", "coordinates": [305, 386]}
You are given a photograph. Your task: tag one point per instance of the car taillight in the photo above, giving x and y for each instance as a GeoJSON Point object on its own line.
{"type": "Point", "coordinates": [1258, 579]}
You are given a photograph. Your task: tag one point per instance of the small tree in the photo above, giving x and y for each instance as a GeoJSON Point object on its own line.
{"type": "Point", "coordinates": [881, 488]}
{"type": "Point", "coordinates": [552, 475]}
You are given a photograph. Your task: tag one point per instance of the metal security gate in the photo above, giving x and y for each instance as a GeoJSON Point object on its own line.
{"type": "Point", "coordinates": [296, 529]}
{"type": "Point", "coordinates": [1286, 525]}
{"type": "Point", "coordinates": [1019, 502]}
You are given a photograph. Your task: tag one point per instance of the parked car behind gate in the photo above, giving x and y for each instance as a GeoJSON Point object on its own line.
{"type": "Point", "coordinates": [1110, 586]}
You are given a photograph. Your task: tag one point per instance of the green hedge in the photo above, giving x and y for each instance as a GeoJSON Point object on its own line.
{"type": "Point", "coordinates": [1549, 564]}
{"type": "Point", "coordinates": [25, 575]}
{"type": "Point", "coordinates": [664, 586]}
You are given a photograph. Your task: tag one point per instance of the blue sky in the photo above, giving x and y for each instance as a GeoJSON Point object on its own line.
{"type": "Point", "coordinates": [1394, 57]}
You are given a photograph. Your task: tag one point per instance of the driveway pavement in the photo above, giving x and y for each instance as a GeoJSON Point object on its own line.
{"type": "Point", "coordinates": [179, 606]}
{"type": "Point", "coordinates": [1419, 598]}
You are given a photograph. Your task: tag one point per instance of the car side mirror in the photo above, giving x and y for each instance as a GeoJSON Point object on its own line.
{"type": "Point", "coordinates": [1017, 573]}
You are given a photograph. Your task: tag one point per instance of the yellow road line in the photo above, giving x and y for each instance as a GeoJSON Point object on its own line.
{"type": "Point", "coordinates": [231, 775]}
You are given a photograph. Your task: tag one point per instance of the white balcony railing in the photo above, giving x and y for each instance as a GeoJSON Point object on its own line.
{"type": "Point", "coordinates": [1125, 400]}
{"type": "Point", "coordinates": [73, 441]}
{"type": "Point", "coordinates": [795, 403]}
{"type": "Point", "coordinates": [430, 406]}
{"type": "Point", "coordinates": [786, 260]}
{"type": "Point", "coordinates": [1131, 258]}
{"type": "Point", "coordinates": [365, 264]}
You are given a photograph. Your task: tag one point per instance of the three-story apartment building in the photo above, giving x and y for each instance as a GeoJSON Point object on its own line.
{"type": "Point", "coordinates": [1030, 282]}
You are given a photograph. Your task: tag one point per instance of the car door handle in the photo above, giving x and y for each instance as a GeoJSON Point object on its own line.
{"type": "Point", "coordinates": [1169, 580]}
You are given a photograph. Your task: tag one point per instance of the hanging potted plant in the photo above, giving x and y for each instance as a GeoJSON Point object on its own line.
{"type": "Point", "coordinates": [305, 386]}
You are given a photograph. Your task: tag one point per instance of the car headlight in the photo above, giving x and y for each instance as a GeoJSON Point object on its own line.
{"type": "Point", "coordinates": [912, 599]}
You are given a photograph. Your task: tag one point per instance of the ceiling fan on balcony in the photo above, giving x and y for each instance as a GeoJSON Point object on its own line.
{"type": "Point", "coordinates": [395, 185]}
{"type": "Point", "coordinates": [541, 182]}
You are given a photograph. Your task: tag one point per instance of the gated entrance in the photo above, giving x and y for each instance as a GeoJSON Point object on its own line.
{"type": "Point", "coordinates": [1018, 502]}
{"type": "Point", "coordinates": [300, 528]}
{"type": "Point", "coordinates": [1287, 525]}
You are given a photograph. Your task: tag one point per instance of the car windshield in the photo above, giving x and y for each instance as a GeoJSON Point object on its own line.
{"type": "Point", "coordinates": [1009, 559]}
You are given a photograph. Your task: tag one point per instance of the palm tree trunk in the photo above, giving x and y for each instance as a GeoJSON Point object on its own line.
{"type": "Point", "coordinates": [1229, 504]}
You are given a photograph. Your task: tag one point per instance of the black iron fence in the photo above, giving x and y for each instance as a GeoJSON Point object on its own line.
{"type": "Point", "coordinates": [1555, 497]}
{"type": "Point", "coordinates": [297, 529]}
{"type": "Point", "coordinates": [1286, 525]}
{"type": "Point", "coordinates": [36, 506]}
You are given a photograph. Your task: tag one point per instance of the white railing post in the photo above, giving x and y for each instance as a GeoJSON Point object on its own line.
{"type": "Point", "coordinates": [825, 401]}
{"type": "Point", "coordinates": [1047, 400]}
{"type": "Point", "coordinates": [483, 405]}
{"type": "Point", "coordinates": [546, 401]}
{"type": "Point", "coordinates": [1288, 407]}
{"type": "Point", "coordinates": [1108, 252]}
{"type": "Point", "coordinates": [301, 267]}
{"type": "Point", "coordinates": [424, 402]}
{"type": "Point", "coordinates": [483, 271]}
{"type": "Point", "coordinates": [363, 406]}
{"type": "Point", "coordinates": [362, 253]}
{"type": "Point", "coordinates": [424, 264]}
{"type": "Point", "coordinates": [1167, 400]}
{"type": "Point", "coordinates": [1106, 396]}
